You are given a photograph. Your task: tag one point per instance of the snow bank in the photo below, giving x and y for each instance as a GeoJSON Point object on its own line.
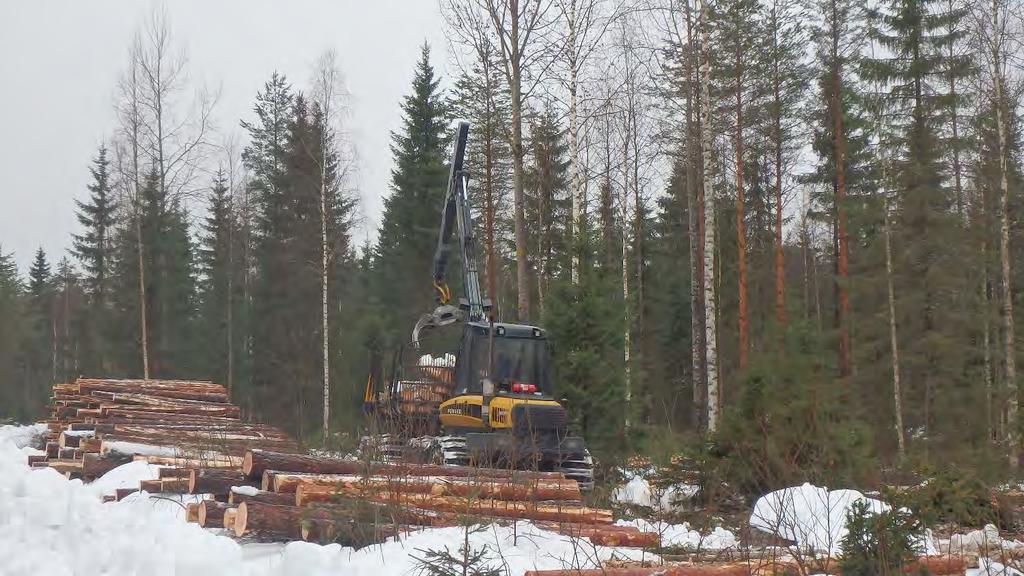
{"type": "Point", "coordinates": [682, 536]}
{"type": "Point", "coordinates": [638, 491]}
{"type": "Point", "coordinates": [815, 517]}
{"type": "Point", "coordinates": [22, 436]}
{"type": "Point", "coordinates": [988, 567]}
{"type": "Point", "coordinates": [124, 476]}
{"type": "Point", "coordinates": [811, 516]}
{"type": "Point", "coordinates": [50, 525]}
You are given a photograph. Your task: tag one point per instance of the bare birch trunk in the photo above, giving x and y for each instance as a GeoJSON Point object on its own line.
{"type": "Point", "coordinates": [576, 174]}
{"type": "Point", "coordinates": [894, 349]}
{"type": "Point", "coordinates": [626, 312]}
{"type": "Point", "coordinates": [710, 309]}
{"type": "Point", "coordinates": [695, 219]}
{"type": "Point", "coordinates": [1012, 432]}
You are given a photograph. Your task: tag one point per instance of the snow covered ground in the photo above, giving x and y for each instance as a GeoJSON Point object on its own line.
{"type": "Point", "coordinates": [52, 526]}
{"type": "Point", "coordinates": [638, 491]}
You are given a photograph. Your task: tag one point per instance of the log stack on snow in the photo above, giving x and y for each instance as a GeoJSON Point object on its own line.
{"type": "Point", "coordinates": [256, 484]}
{"type": "Point", "coordinates": [98, 424]}
{"type": "Point", "coordinates": [328, 499]}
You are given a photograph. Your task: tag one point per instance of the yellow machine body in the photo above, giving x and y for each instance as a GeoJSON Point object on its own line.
{"type": "Point", "coordinates": [464, 412]}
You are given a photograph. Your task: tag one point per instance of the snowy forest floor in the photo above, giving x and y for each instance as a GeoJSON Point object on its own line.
{"type": "Point", "coordinates": [53, 526]}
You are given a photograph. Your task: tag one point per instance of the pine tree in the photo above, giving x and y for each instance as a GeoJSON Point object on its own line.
{"type": "Point", "coordinates": [94, 250]}
{"type": "Point", "coordinates": [403, 259]}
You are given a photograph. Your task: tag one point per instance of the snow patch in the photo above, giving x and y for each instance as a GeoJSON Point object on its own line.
{"type": "Point", "coordinates": [245, 490]}
{"type": "Point", "coordinates": [54, 526]}
{"type": "Point", "coordinates": [638, 491]}
{"type": "Point", "coordinates": [23, 436]}
{"type": "Point", "coordinates": [122, 447]}
{"type": "Point", "coordinates": [682, 536]}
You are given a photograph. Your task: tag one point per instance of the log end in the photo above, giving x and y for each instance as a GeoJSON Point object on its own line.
{"type": "Point", "coordinates": [240, 518]}
{"type": "Point", "coordinates": [194, 513]}
{"type": "Point", "coordinates": [192, 480]}
{"type": "Point", "coordinates": [229, 518]}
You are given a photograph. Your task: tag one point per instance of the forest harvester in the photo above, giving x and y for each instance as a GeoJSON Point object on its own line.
{"type": "Point", "coordinates": [489, 399]}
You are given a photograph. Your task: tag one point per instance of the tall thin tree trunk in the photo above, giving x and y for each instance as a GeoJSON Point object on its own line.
{"type": "Point", "coordinates": [741, 235]}
{"type": "Point", "coordinates": [576, 172]}
{"type": "Point", "coordinates": [489, 135]}
{"type": "Point", "coordinates": [839, 143]}
{"type": "Point", "coordinates": [144, 337]}
{"type": "Point", "coordinates": [323, 292]}
{"type": "Point", "coordinates": [1009, 341]}
{"type": "Point", "coordinates": [522, 265]}
{"type": "Point", "coordinates": [694, 230]}
{"type": "Point", "coordinates": [710, 308]}
{"type": "Point", "coordinates": [627, 316]}
{"type": "Point", "coordinates": [780, 264]}
{"type": "Point", "coordinates": [986, 326]}
{"type": "Point", "coordinates": [894, 349]}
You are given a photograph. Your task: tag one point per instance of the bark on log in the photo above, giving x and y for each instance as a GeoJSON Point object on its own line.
{"type": "Point", "coordinates": [151, 486]}
{"type": "Point", "coordinates": [211, 514]}
{"type": "Point", "coordinates": [93, 465]}
{"type": "Point", "coordinates": [69, 453]}
{"type": "Point", "coordinates": [109, 498]}
{"type": "Point", "coordinates": [174, 486]}
{"type": "Point", "coordinates": [221, 461]}
{"type": "Point", "coordinates": [347, 532]}
{"type": "Point", "coordinates": [258, 461]}
{"type": "Point", "coordinates": [934, 565]}
{"type": "Point", "coordinates": [167, 472]}
{"type": "Point", "coordinates": [34, 458]}
{"type": "Point", "coordinates": [52, 449]}
{"type": "Point", "coordinates": [122, 493]}
{"type": "Point", "coordinates": [91, 445]}
{"type": "Point", "coordinates": [215, 480]}
{"type": "Point", "coordinates": [307, 494]}
{"type": "Point", "coordinates": [268, 520]}
{"type": "Point", "coordinates": [236, 498]}
{"type": "Point", "coordinates": [498, 489]}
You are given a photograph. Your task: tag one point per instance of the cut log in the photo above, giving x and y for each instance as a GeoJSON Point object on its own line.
{"type": "Point", "coordinates": [91, 445]}
{"type": "Point", "coordinates": [151, 486]}
{"type": "Point", "coordinates": [934, 565]}
{"type": "Point", "coordinates": [166, 472]}
{"type": "Point", "coordinates": [215, 480]}
{"type": "Point", "coordinates": [109, 498]}
{"type": "Point", "coordinates": [258, 461]}
{"type": "Point", "coordinates": [221, 461]}
{"type": "Point", "coordinates": [36, 458]}
{"type": "Point", "coordinates": [69, 453]}
{"type": "Point", "coordinates": [307, 494]}
{"type": "Point", "coordinates": [122, 493]}
{"type": "Point", "coordinates": [52, 449]}
{"type": "Point", "coordinates": [211, 514]}
{"type": "Point", "coordinates": [229, 518]}
{"type": "Point", "coordinates": [65, 466]}
{"type": "Point", "coordinates": [261, 497]}
{"type": "Point", "coordinates": [94, 465]}
{"type": "Point", "coordinates": [174, 485]}
{"type": "Point", "coordinates": [346, 532]}
{"type": "Point", "coordinates": [268, 520]}
{"type": "Point", "coordinates": [498, 489]}
{"type": "Point", "coordinates": [192, 512]}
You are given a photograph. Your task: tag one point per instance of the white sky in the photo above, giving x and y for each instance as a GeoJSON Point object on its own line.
{"type": "Point", "coordinates": [60, 60]}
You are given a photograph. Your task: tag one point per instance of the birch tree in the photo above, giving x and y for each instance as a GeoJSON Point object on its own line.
{"type": "Point", "coordinates": [330, 95]}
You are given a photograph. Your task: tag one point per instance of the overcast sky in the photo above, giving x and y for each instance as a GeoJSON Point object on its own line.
{"type": "Point", "coordinates": [60, 60]}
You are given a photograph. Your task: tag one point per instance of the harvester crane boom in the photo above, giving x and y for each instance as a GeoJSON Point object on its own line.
{"type": "Point", "coordinates": [455, 214]}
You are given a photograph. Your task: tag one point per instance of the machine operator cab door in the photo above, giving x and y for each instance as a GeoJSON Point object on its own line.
{"type": "Point", "coordinates": [517, 361]}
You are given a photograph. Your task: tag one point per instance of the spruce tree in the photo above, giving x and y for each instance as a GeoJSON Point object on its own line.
{"type": "Point", "coordinates": [94, 250]}
{"type": "Point", "coordinates": [39, 337]}
{"type": "Point", "coordinates": [548, 205]}
{"type": "Point", "coordinates": [408, 233]}
{"type": "Point", "coordinates": [927, 240]}
{"type": "Point", "coordinates": [12, 331]}
{"type": "Point", "coordinates": [218, 284]}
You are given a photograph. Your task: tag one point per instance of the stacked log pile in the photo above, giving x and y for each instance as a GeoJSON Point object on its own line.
{"type": "Point", "coordinates": [256, 484]}
{"type": "Point", "coordinates": [329, 499]}
{"type": "Point", "coordinates": [96, 425]}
